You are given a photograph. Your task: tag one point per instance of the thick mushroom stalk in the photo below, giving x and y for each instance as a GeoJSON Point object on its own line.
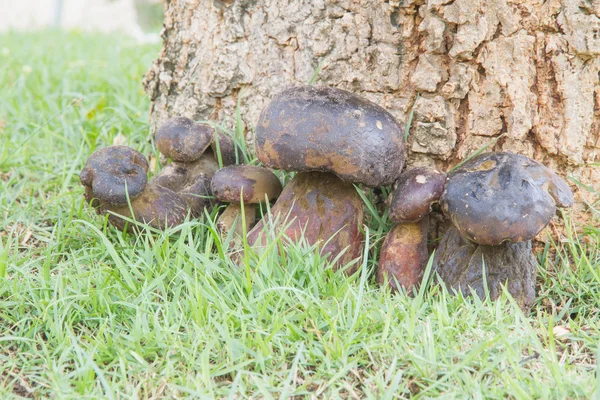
{"type": "Point", "coordinates": [245, 184]}
{"type": "Point", "coordinates": [115, 183]}
{"type": "Point", "coordinates": [498, 203]}
{"type": "Point", "coordinates": [320, 208]}
{"type": "Point", "coordinates": [333, 138]}
{"type": "Point", "coordinates": [404, 252]}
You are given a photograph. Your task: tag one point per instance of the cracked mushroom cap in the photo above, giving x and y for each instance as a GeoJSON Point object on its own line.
{"type": "Point", "coordinates": [246, 182]}
{"type": "Point", "coordinates": [499, 197]}
{"type": "Point", "coordinates": [312, 128]}
{"type": "Point", "coordinates": [416, 191]}
{"type": "Point", "coordinates": [181, 139]}
{"type": "Point", "coordinates": [112, 174]}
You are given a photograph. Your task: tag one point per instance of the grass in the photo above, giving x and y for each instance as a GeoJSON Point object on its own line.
{"type": "Point", "coordinates": [90, 312]}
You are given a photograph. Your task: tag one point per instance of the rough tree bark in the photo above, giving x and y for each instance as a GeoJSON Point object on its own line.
{"type": "Point", "coordinates": [471, 70]}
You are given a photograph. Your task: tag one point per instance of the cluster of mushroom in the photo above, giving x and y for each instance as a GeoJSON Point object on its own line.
{"type": "Point", "coordinates": [116, 183]}
{"type": "Point", "coordinates": [497, 203]}
{"type": "Point", "coordinates": [333, 139]}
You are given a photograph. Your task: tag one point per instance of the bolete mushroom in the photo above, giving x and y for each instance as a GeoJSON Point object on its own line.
{"type": "Point", "coordinates": [404, 252]}
{"type": "Point", "coordinates": [333, 138]}
{"type": "Point", "coordinates": [191, 181]}
{"type": "Point", "coordinates": [497, 202]}
{"type": "Point", "coordinates": [194, 164]}
{"type": "Point", "coordinates": [115, 182]}
{"type": "Point", "coordinates": [247, 184]}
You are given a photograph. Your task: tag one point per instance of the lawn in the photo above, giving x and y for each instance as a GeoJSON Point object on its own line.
{"type": "Point", "coordinates": [89, 312]}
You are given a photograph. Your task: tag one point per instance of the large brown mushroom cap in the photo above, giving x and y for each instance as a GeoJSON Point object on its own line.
{"type": "Point", "coordinates": [113, 174]}
{"type": "Point", "coordinates": [245, 183]}
{"type": "Point", "coordinates": [181, 139]}
{"type": "Point", "coordinates": [416, 191]}
{"type": "Point", "coordinates": [498, 197]}
{"type": "Point", "coordinates": [312, 128]}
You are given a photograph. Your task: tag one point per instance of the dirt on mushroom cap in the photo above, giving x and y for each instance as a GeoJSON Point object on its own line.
{"type": "Point", "coordinates": [310, 128]}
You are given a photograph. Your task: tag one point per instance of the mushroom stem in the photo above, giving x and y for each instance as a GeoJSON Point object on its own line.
{"type": "Point", "coordinates": [156, 206]}
{"type": "Point", "coordinates": [231, 219]}
{"type": "Point", "coordinates": [320, 208]}
{"type": "Point", "coordinates": [191, 180]}
{"type": "Point", "coordinates": [404, 255]}
{"type": "Point", "coordinates": [465, 266]}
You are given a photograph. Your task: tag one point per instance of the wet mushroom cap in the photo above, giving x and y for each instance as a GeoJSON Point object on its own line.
{"type": "Point", "coordinates": [181, 139]}
{"type": "Point", "coordinates": [416, 191]}
{"type": "Point", "coordinates": [312, 128]}
{"type": "Point", "coordinates": [498, 197]}
{"type": "Point", "coordinates": [247, 183]}
{"type": "Point", "coordinates": [113, 174]}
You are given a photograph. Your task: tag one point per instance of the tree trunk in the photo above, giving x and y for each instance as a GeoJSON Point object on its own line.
{"type": "Point", "coordinates": [471, 70]}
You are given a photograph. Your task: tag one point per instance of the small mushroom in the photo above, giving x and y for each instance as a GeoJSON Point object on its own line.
{"type": "Point", "coordinates": [184, 140]}
{"type": "Point", "coordinates": [114, 174]}
{"type": "Point", "coordinates": [404, 252]}
{"type": "Point", "coordinates": [181, 139]}
{"type": "Point", "coordinates": [333, 136]}
{"type": "Point", "coordinates": [497, 202]}
{"type": "Point", "coordinates": [245, 184]}
{"type": "Point", "coordinates": [115, 183]}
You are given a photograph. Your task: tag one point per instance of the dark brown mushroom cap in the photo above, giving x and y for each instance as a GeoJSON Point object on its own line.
{"type": "Point", "coordinates": [416, 191]}
{"type": "Point", "coordinates": [114, 173]}
{"type": "Point", "coordinates": [498, 197]}
{"type": "Point", "coordinates": [312, 128]}
{"type": "Point", "coordinates": [181, 139]}
{"type": "Point", "coordinates": [246, 182]}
